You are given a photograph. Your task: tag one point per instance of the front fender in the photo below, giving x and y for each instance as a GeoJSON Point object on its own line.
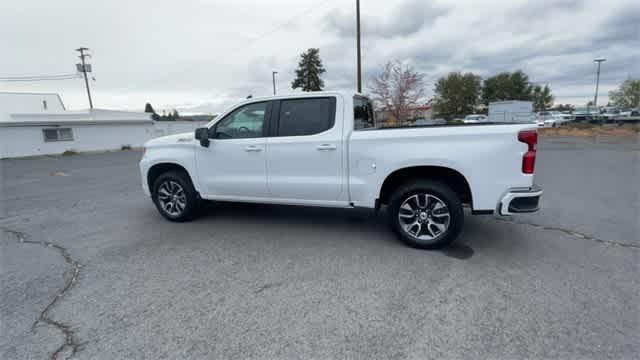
{"type": "Point", "coordinates": [183, 156]}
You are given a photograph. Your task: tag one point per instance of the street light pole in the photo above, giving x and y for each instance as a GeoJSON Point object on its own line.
{"type": "Point", "coordinates": [358, 65]}
{"type": "Point", "coordinates": [595, 99]}
{"type": "Point", "coordinates": [273, 76]}
{"type": "Point", "coordinates": [84, 71]}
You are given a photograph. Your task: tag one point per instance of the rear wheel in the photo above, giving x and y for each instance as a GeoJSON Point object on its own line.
{"type": "Point", "coordinates": [426, 214]}
{"type": "Point", "coordinates": [175, 197]}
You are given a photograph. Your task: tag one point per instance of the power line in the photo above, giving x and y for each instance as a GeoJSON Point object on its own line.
{"type": "Point", "coordinates": [250, 41]}
{"type": "Point", "coordinates": [288, 22]}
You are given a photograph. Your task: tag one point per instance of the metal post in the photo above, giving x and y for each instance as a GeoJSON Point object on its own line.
{"type": "Point", "coordinates": [84, 71]}
{"type": "Point", "coordinates": [359, 69]}
{"type": "Point", "coordinates": [595, 99]}
{"type": "Point", "coordinates": [273, 75]}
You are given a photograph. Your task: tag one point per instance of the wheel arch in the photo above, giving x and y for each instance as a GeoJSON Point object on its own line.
{"type": "Point", "coordinates": [163, 167]}
{"type": "Point", "coordinates": [446, 175]}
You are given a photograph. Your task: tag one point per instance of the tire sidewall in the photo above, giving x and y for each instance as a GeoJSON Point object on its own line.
{"type": "Point", "coordinates": [190, 194]}
{"type": "Point", "coordinates": [441, 191]}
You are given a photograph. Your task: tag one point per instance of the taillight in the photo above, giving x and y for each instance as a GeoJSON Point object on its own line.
{"type": "Point", "coordinates": [529, 137]}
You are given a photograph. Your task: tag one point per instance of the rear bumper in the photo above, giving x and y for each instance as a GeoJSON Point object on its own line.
{"type": "Point", "coordinates": [521, 200]}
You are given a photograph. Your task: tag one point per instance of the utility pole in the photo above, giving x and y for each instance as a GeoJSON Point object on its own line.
{"type": "Point", "coordinates": [83, 68]}
{"type": "Point", "coordinates": [359, 68]}
{"type": "Point", "coordinates": [595, 99]}
{"type": "Point", "coordinates": [273, 76]}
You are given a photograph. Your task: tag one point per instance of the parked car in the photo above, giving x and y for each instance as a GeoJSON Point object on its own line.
{"type": "Point", "coordinates": [610, 113]}
{"type": "Point", "coordinates": [625, 112]}
{"type": "Point", "coordinates": [324, 149]}
{"type": "Point", "coordinates": [475, 118]}
{"type": "Point", "coordinates": [587, 113]}
{"type": "Point", "coordinates": [552, 118]}
{"type": "Point", "coordinates": [430, 122]}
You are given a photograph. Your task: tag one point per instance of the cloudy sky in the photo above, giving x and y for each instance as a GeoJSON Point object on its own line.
{"type": "Point", "coordinates": [203, 55]}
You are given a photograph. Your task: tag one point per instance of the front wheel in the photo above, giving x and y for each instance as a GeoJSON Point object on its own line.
{"type": "Point", "coordinates": [175, 197]}
{"type": "Point", "coordinates": [426, 214]}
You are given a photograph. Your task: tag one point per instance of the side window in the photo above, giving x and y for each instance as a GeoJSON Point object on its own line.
{"type": "Point", "coordinates": [362, 114]}
{"type": "Point", "coordinates": [57, 134]}
{"type": "Point", "coordinates": [243, 123]}
{"type": "Point", "coordinates": [299, 117]}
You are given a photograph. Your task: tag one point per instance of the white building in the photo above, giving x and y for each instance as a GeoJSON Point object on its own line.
{"type": "Point", "coordinates": [38, 124]}
{"type": "Point", "coordinates": [12, 102]}
{"type": "Point", "coordinates": [511, 111]}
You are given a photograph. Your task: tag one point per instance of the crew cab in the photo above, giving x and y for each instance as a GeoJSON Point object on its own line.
{"type": "Point", "coordinates": [325, 149]}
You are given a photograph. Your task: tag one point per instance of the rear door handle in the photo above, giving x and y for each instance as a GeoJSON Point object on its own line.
{"type": "Point", "coordinates": [326, 147]}
{"type": "Point", "coordinates": [252, 148]}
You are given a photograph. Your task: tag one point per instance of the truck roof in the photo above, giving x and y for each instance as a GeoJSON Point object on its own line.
{"type": "Point", "coordinates": [346, 94]}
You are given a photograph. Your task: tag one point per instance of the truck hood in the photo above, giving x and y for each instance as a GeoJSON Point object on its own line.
{"type": "Point", "coordinates": [184, 138]}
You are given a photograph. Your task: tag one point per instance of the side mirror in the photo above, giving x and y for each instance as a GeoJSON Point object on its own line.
{"type": "Point", "coordinates": [202, 134]}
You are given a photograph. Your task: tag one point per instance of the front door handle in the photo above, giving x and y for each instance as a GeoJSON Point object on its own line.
{"type": "Point", "coordinates": [326, 147]}
{"type": "Point", "coordinates": [252, 148]}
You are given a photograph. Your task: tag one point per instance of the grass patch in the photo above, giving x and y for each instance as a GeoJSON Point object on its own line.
{"type": "Point", "coordinates": [591, 130]}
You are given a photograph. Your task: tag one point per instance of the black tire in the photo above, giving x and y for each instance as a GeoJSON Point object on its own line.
{"type": "Point", "coordinates": [440, 193]}
{"type": "Point", "coordinates": [191, 197]}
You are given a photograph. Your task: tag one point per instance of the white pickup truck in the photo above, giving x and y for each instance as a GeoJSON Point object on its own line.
{"type": "Point", "coordinates": [324, 149]}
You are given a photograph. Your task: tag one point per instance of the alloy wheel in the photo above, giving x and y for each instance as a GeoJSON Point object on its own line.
{"type": "Point", "coordinates": [424, 216]}
{"type": "Point", "coordinates": [172, 198]}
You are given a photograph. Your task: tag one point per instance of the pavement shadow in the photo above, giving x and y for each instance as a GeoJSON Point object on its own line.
{"type": "Point", "coordinates": [334, 218]}
{"type": "Point", "coordinates": [458, 251]}
{"type": "Point", "coordinates": [288, 213]}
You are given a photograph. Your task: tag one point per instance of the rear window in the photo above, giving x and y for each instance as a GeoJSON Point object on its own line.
{"type": "Point", "coordinates": [300, 117]}
{"type": "Point", "coordinates": [363, 117]}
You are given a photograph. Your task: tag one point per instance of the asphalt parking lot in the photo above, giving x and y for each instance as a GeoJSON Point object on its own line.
{"type": "Point", "coordinates": [271, 282]}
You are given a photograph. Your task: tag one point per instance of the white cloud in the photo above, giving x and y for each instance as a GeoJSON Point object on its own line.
{"type": "Point", "coordinates": [208, 54]}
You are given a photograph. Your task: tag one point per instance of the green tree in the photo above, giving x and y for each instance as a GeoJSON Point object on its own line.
{"type": "Point", "coordinates": [542, 98]}
{"type": "Point", "coordinates": [175, 114]}
{"type": "Point", "coordinates": [563, 107]}
{"type": "Point", "coordinates": [309, 71]}
{"type": "Point", "coordinates": [627, 95]}
{"type": "Point", "coordinates": [507, 86]}
{"type": "Point", "coordinates": [149, 109]}
{"type": "Point", "coordinates": [457, 94]}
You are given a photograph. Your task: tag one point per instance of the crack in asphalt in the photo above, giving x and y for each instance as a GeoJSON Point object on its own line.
{"type": "Point", "coordinates": [572, 233]}
{"type": "Point", "coordinates": [71, 342]}
{"type": "Point", "coordinates": [268, 286]}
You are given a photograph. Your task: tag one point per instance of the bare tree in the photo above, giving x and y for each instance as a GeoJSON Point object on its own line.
{"type": "Point", "coordinates": [397, 89]}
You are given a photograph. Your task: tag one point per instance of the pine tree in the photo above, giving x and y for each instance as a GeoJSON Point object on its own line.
{"type": "Point", "coordinates": [309, 71]}
{"type": "Point", "coordinates": [542, 98]}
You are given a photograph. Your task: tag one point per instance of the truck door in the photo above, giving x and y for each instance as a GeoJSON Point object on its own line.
{"type": "Point", "coordinates": [234, 163]}
{"type": "Point", "coordinates": [304, 151]}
